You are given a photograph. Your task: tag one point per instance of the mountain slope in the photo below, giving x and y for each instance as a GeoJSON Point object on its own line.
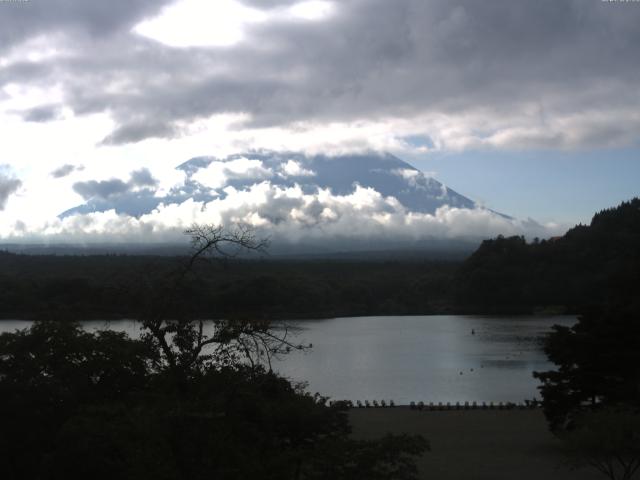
{"type": "Point", "coordinates": [208, 178]}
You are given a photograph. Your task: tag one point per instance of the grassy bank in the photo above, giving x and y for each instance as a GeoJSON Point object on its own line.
{"type": "Point", "coordinates": [476, 445]}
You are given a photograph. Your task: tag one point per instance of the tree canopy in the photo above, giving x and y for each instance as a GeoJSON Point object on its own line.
{"type": "Point", "coordinates": [598, 364]}
{"type": "Point", "coordinates": [588, 266]}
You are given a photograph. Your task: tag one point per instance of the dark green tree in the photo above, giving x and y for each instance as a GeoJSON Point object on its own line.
{"type": "Point", "coordinates": [587, 266]}
{"type": "Point", "coordinates": [48, 374]}
{"type": "Point", "coordinates": [598, 364]}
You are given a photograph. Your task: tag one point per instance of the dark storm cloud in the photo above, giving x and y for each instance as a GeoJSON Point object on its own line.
{"type": "Point", "coordinates": [107, 189]}
{"type": "Point", "coordinates": [65, 170]}
{"type": "Point", "coordinates": [134, 132]}
{"type": "Point", "coordinates": [8, 185]}
{"type": "Point", "coordinates": [20, 21]}
{"type": "Point", "coordinates": [267, 4]}
{"type": "Point", "coordinates": [560, 70]}
{"type": "Point", "coordinates": [142, 178]}
{"type": "Point", "coordinates": [44, 113]}
{"type": "Point", "coordinates": [103, 189]}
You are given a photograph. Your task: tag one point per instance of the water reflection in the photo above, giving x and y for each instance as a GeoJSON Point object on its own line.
{"type": "Point", "coordinates": [429, 358]}
{"type": "Point", "coordinates": [446, 358]}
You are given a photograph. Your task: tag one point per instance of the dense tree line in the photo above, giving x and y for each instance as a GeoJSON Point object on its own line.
{"type": "Point", "coordinates": [587, 266]}
{"type": "Point", "coordinates": [109, 286]}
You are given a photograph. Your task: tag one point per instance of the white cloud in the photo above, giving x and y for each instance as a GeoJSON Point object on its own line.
{"type": "Point", "coordinates": [406, 173]}
{"type": "Point", "coordinates": [200, 23]}
{"type": "Point", "coordinates": [313, 10]}
{"type": "Point", "coordinates": [221, 23]}
{"type": "Point", "coordinates": [35, 49]}
{"type": "Point", "coordinates": [287, 215]}
{"type": "Point", "coordinates": [295, 169]}
{"type": "Point", "coordinates": [217, 173]}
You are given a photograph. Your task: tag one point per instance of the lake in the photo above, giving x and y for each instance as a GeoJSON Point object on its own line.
{"type": "Point", "coordinates": [438, 358]}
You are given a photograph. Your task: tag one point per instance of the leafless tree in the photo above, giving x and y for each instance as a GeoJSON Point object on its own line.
{"type": "Point", "coordinates": [188, 345]}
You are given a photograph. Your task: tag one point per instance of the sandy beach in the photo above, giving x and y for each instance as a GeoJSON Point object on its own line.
{"type": "Point", "coordinates": [476, 444]}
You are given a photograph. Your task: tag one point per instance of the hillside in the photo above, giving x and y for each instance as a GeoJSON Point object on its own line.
{"type": "Point", "coordinates": [590, 264]}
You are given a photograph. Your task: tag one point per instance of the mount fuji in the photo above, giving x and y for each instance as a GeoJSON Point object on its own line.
{"type": "Point", "coordinates": [210, 178]}
{"type": "Point", "coordinates": [306, 204]}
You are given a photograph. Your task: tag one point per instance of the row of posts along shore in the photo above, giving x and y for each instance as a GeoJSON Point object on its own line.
{"type": "Point", "coordinates": [440, 406]}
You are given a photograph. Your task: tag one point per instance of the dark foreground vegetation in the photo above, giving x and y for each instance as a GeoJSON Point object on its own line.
{"type": "Point", "coordinates": [102, 406]}
{"type": "Point", "coordinates": [176, 404]}
{"type": "Point", "coordinates": [592, 398]}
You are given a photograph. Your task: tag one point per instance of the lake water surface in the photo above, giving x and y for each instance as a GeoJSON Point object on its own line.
{"type": "Point", "coordinates": [439, 358]}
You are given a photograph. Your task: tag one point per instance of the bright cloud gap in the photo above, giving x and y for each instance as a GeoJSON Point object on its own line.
{"type": "Point", "coordinates": [222, 23]}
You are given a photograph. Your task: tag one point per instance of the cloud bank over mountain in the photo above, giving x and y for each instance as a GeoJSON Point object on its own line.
{"type": "Point", "coordinates": [374, 199]}
{"type": "Point", "coordinates": [120, 86]}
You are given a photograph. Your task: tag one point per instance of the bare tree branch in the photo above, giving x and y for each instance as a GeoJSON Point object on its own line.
{"type": "Point", "coordinates": [183, 341]}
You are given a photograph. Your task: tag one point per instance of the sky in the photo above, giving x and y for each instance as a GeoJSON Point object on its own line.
{"type": "Point", "coordinates": [531, 108]}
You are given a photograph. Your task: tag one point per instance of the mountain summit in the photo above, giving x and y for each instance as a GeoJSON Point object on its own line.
{"type": "Point", "coordinates": [209, 178]}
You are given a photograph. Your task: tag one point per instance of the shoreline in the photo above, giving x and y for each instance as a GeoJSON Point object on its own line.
{"type": "Point", "coordinates": [31, 317]}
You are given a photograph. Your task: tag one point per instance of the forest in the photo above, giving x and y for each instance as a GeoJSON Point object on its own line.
{"type": "Point", "coordinates": [109, 286]}
{"type": "Point", "coordinates": [504, 275]}
{"type": "Point", "coordinates": [589, 265]}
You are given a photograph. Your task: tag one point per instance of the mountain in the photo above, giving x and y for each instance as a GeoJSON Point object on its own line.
{"type": "Point", "coordinates": [209, 178]}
